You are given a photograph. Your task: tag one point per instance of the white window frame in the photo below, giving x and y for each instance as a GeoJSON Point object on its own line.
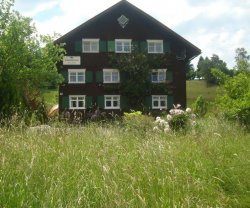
{"type": "Point", "coordinates": [112, 101]}
{"type": "Point", "coordinates": [158, 71]}
{"type": "Point", "coordinates": [159, 98]}
{"type": "Point", "coordinates": [111, 71]}
{"type": "Point", "coordinates": [78, 99]}
{"type": "Point", "coordinates": [77, 71]}
{"type": "Point", "coordinates": [91, 42]}
{"type": "Point", "coordinates": [123, 41]}
{"type": "Point", "coordinates": [154, 42]}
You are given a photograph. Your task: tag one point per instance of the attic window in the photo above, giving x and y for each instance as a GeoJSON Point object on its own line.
{"type": "Point", "coordinates": [123, 21]}
{"type": "Point", "coordinates": [155, 46]}
{"type": "Point", "coordinates": [90, 45]}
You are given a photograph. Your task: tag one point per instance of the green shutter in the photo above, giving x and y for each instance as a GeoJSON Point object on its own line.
{"type": "Point", "coordinates": [89, 76]}
{"type": "Point", "coordinates": [169, 76]}
{"type": "Point", "coordinates": [135, 45]}
{"type": "Point", "coordinates": [103, 46]}
{"type": "Point", "coordinates": [143, 46]}
{"type": "Point", "coordinates": [124, 102]}
{"type": "Point", "coordinates": [100, 101]}
{"type": "Point", "coordinates": [122, 76]}
{"type": "Point", "coordinates": [78, 46]}
{"type": "Point", "coordinates": [170, 101]}
{"type": "Point", "coordinates": [65, 76]}
{"type": "Point", "coordinates": [99, 77]}
{"type": "Point", "coordinates": [166, 47]}
{"type": "Point", "coordinates": [111, 46]}
{"type": "Point", "coordinates": [88, 100]}
{"type": "Point", "coordinates": [65, 102]}
{"type": "Point", "coordinates": [148, 101]}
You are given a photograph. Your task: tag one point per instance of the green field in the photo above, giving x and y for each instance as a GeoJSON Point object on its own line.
{"type": "Point", "coordinates": [196, 88]}
{"type": "Point", "coordinates": [125, 165]}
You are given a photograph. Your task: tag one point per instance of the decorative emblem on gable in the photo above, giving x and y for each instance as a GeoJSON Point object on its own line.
{"type": "Point", "coordinates": [123, 21]}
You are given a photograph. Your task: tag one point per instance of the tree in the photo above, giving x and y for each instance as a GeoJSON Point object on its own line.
{"type": "Point", "coordinates": [190, 73]}
{"type": "Point", "coordinates": [25, 66]}
{"type": "Point", "coordinates": [242, 60]}
{"type": "Point", "coordinates": [205, 65]}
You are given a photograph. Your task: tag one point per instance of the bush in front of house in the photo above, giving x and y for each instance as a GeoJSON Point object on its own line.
{"type": "Point", "coordinates": [176, 120]}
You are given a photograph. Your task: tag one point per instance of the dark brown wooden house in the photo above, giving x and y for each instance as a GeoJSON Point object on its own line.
{"type": "Point", "coordinates": [87, 70]}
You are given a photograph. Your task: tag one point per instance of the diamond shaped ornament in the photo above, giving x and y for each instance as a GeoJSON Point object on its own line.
{"type": "Point", "coordinates": [123, 21]}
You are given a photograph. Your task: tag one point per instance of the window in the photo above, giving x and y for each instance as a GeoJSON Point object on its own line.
{"type": "Point", "coordinates": [155, 46]}
{"type": "Point", "coordinates": [76, 76]}
{"type": "Point", "coordinates": [158, 75]}
{"type": "Point", "coordinates": [122, 46]}
{"type": "Point", "coordinates": [111, 76]}
{"type": "Point", "coordinates": [90, 45]}
{"type": "Point", "coordinates": [112, 101]}
{"type": "Point", "coordinates": [77, 102]}
{"type": "Point", "coordinates": [159, 101]}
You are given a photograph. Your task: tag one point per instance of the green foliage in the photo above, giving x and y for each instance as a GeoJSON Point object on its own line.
{"type": "Point", "coordinates": [135, 69]}
{"type": "Point", "coordinates": [205, 66]}
{"type": "Point", "coordinates": [27, 62]}
{"type": "Point", "coordinates": [111, 166]}
{"type": "Point", "coordinates": [136, 121]}
{"type": "Point", "coordinates": [200, 106]}
{"type": "Point", "coordinates": [190, 72]}
{"type": "Point", "coordinates": [242, 60]}
{"type": "Point", "coordinates": [235, 103]}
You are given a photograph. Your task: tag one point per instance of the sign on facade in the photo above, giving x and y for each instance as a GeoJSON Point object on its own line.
{"type": "Point", "coordinates": [71, 60]}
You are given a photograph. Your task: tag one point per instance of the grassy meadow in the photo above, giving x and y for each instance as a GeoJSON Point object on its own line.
{"type": "Point", "coordinates": [126, 163]}
{"type": "Point", "coordinates": [196, 88]}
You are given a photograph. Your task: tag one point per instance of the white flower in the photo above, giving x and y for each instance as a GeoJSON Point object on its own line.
{"type": "Point", "coordinates": [166, 123]}
{"type": "Point", "coordinates": [162, 122]}
{"type": "Point", "coordinates": [178, 105]}
{"type": "Point", "coordinates": [169, 117]}
{"type": "Point", "coordinates": [158, 118]}
{"type": "Point", "coordinates": [193, 116]}
{"type": "Point", "coordinates": [188, 110]}
{"type": "Point", "coordinates": [193, 123]}
{"type": "Point", "coordinates": [171, 111]}
{"type": "Point", "coordinates": [156, 128]}
{"type": "Point", "coordinates": [166, 129]}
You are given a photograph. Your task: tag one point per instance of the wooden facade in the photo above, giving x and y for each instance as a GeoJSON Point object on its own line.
{"type": "Point", "coordinates": [104, 30]}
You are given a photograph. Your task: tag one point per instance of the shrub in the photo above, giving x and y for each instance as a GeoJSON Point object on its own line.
{"type": "Point", "coordinates": [135, 120]}
{"type": "Point", "coordinates": [235, 103]}
{"type": "Point", "coordinates": [200, 106]}
{"type": "Point", "coordinates": [176, 120]}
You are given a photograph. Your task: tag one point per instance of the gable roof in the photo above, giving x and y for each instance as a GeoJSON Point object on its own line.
{"type": "Point", "coordinates": [195, 50]}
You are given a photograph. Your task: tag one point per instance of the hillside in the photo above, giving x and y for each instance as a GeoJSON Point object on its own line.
{"type": "Point", "coordinates": [196, 88]}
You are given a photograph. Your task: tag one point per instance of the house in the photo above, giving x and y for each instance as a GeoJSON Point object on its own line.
{"type": "Point", "coordinates": [88, 73]}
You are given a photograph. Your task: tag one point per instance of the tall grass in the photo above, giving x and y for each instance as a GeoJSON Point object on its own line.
{"type": "Point", "coordinates": [102, 165]}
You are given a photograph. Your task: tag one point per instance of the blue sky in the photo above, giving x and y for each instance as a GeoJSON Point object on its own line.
{"type": "Point", "coordinates": [215, 26]}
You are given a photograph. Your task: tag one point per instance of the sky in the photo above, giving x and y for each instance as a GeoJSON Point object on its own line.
{"type": "Point", "coordinates": [215, 26]}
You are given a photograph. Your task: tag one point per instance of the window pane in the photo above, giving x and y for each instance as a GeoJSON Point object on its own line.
{"type": "Point", "coordinates": [107, 76]}
{"type": "Point", "coordinates": [86, 46]}
{"type": "Point", "coordinates": [154, 76]}
{"type": "Point", "coordinates": [108, 103]}
{"type": "Point", "coordinates": [73, 103]}
{"type": "Point", "coordinates": [81, 104]}
{"type": "Point", "coordinates": [151, 47]}
{"type": "Point", "coordinates": [115, 76]}
{"type": "Point", "coordinates": [155, 103]}
{"type": "Point", "coordinates": [163, 103]}
{"type": "Point", "coordinates": [126, 46]}
{"type": "Point", "coordinates": [161, 76]}
{"type": "Point", "coordinates": [94, 46]}
{"type": "Point", "coordinates": [118, 46]}
{"type": "Point", "coordinates": [158, 47]}
{"type": "Point", "coordinates": [115, 103]}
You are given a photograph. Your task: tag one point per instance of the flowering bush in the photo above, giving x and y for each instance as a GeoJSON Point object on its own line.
{"type": "Point", "coordinates": [177, 119]}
